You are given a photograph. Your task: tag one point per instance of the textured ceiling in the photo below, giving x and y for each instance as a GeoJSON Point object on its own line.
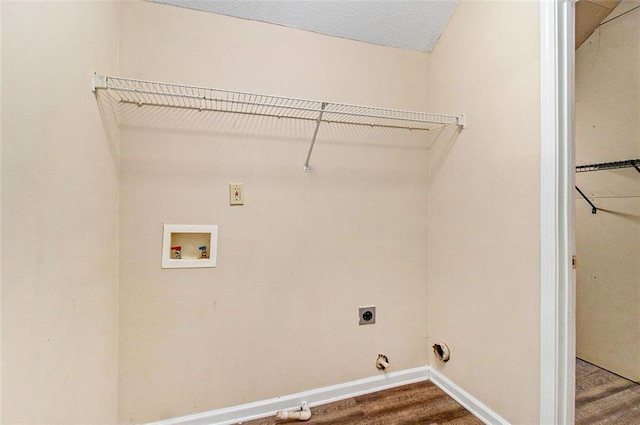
{"type": "Point", "coordinates": [406, 24]}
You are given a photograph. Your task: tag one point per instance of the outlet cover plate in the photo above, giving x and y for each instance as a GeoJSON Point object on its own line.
{"type": "Point", "coordinates": [367, 315]}
{"type": "Point", "coordinates": [236, 194]}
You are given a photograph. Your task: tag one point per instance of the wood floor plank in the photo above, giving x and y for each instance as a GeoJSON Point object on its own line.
{"type": "Point", "coordinates": [604, 398]}
{"type": "Point", "coordinates": [414, 404]}
{"type": "Point", "coordinates": [621, 408]}
{"type": "Point", "coordinates": [467, 419]}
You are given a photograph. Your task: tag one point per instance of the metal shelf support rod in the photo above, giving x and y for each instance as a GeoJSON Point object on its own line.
{"type": "Point", "coordinates": [593, 207]}
{"type": "Point", "coordinates": [313, 140]}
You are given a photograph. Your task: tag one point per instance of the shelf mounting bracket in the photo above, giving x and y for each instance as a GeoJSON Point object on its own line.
{"type": "Point", "coordinates": [593, 207]}
{"type": "Point", "coordinates": [315, 134]}
{"type": "Point", "coordinates": [98, 82]}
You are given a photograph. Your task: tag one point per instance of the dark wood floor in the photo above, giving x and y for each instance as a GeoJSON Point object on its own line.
{"type": "Point", "coordinates": [605, 398]}
{"type": "Point", "coordinates": [602, 398]}
{"type": "Point", "coordinates": [421, 403]}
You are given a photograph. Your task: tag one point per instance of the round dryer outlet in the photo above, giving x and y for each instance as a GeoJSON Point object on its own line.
{"type": "Point", "coordinates": [367, 315]}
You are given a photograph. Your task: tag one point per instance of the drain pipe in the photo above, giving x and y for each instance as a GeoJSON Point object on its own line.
{"type": "Point", "coordinates": [441, 351]}
{"type": "Point", "coordinates": [302, 415]}
{"type": "Point", "coordinates": [383, 362]}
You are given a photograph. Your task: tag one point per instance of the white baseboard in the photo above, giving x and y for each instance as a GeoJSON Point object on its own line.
{"type": "Point", "coordinates": [316, 397]}
{"type": "Point", "coordinates": [469, 402]}
{"type": "Point", "coordinates": [330, 394]}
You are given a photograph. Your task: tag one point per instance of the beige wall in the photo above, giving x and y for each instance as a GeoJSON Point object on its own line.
{"type": "Point", "coordinates": [1, 351]}
{"type": "Point", "coordinates": [279, 313]}
{"type": "Point", "coordinates": [608, 243]}
{"type": "Point", "coordinates": [484, 226]}
{"type": "Point", "coordinates": [59, 215]}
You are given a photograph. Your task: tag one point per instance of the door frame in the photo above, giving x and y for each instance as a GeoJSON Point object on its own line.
{"type": "Point", "coordinates": [557, 241]}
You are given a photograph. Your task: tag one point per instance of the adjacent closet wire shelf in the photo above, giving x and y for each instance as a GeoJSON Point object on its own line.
{"type": "Point", "coordinates": [154, 93]}
{"type": "Point", "coordinates": [628, 163]}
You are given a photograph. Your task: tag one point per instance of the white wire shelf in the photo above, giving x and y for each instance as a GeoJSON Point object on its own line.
{"type": "Point", "coordinates": [154, 93]}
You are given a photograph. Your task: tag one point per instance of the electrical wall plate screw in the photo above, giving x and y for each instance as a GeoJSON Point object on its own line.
{"type": "Point", "coordinates": [367, 315]}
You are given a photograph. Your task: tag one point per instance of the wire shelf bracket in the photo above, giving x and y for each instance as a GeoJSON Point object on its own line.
{"type": "Point", "coordinates": [154, 93]}
{"type": "Point", "coordinates": [629, 163]}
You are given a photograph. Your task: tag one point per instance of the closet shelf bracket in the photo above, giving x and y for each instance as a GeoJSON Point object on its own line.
{"type": "Point", "coordinates": [593, 207]}
{"type": "Point", "coordinates": [98, 82]}
{"type": "Point", "coordinates": [170, 95]}
{"type": "Point", "coordinates": [315, 134]}
{"type": "Point", "coordinates": [629, 163]}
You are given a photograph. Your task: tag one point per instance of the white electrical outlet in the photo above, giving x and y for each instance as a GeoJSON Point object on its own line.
{"type": "Point", "coordinates": [236, 194]}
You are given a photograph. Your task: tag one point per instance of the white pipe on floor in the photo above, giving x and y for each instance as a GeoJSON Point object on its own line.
{"type": "Point", "coordinates": [302, 415]}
